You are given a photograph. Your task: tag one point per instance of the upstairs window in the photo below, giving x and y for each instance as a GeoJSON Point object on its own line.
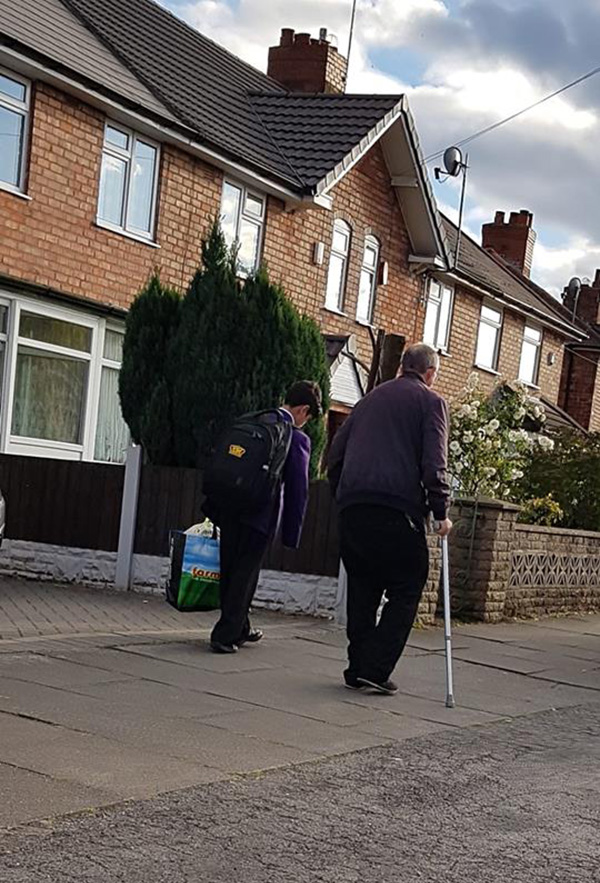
{"type": "Point", "coordinates": [242, 222]}
{"type": "Point", "coordinates": [368, 281]}
{"type": "Point", "coordinates": [128, 180]}
{"type": "Point", "coordinates": [338, 267]}
{"type": "Point", "coordinates": [530, 355]}
{"type": "Point", "coordinates": [14, 119]}
{"type": "Point", "coordinates": [488, 339]}
{"type": "Point", "coordinates": [437, 316]}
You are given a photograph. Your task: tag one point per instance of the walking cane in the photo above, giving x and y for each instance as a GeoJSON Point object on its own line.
{"type": "Point", "coordinates": [447, 624]}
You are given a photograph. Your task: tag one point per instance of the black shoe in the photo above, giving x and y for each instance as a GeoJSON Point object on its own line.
{"type": "Point", "coordinates": [253, 637]}
{"type": "Point", "coordinates": [217, 647]}
{"type": "Point", "coordinates": [386, 687]}
{"type": "Point", "coordinates": [352, 683]}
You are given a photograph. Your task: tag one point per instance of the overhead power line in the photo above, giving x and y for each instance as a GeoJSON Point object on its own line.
{"type": "Point", "coordinates": [518, 113]}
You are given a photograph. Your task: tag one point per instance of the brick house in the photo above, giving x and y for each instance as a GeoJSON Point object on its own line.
{"type": "Point", "coordinates": [580, 386]}
{"type": "Point", "coordinates": [127, 133]}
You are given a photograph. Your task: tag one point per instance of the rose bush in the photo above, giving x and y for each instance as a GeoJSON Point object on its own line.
{"type": "Point", "coordinates": [489, 447]}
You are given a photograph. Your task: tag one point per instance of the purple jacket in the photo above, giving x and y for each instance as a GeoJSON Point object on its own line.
{"type": "Point", "coordinates": [289, 507]}
{"type": "Point", "coordinates": [393, 450]}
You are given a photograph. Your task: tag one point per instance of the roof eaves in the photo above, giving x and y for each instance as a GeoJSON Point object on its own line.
{"type": "Point", "coordinates": [425, 182]}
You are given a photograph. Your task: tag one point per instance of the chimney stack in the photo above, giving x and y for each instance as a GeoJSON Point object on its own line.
{"type": "Point", "coordinates": [586, 304]}
{"type": "Point", "coordinates": [305, 64]}
{"type": "Point", "coordinates": [513, 240]}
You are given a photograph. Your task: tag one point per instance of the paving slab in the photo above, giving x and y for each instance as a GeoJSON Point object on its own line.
{"type": "Point", "coordinates": [290, 729]}
{"type": "Point", "coordinates": [26, 796]}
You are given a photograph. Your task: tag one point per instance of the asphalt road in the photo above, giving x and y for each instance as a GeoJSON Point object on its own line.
{"type": "Point", "coordinates": [513, 801]}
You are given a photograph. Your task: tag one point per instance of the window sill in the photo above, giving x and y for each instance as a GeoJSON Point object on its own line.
{"type": "Point", "coordinates": [335, 312]}
{"type": "Point", "coordinates": [365, 324]}
{"type": "Point", "coordinates": [529, 385]}
{"type": "Point", "coordinates": [6, 188]}
{"type": "Point", "coordinates": [120, 232]}
{"type": "Point", "coordinates": [487, 370]}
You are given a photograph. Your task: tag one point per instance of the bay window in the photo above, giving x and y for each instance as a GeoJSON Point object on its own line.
{"type": "Point", "coordinates": [59, 371]}
{"type": "Point", "coordinates": [368, 281]}
{"type": "Point", "coordinates": [14, 118]}
{"type": "Point", "coordinates": [242, 222]}
{"type": "Point", "coordinates": [437, 315]}
{"type": "Point", "coordinates": [128, 179]}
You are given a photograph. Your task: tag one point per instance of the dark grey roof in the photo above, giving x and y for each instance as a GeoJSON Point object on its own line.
{"type": "Point", "coordinates": [229, 105]}
{"type": "Point", "coordinates": [316, 132]}
{"type": "Point", "coordinates": [334, 344]}
{"type": "Point", "coordinates": [48, 28]}
{"type": "Point", "coordinates": [557, 419]}
{"type": "Point", "coordinates": [495, 276]}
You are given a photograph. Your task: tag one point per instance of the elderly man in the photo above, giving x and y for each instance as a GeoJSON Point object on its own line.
{"type": "Point", "coordinates": [387, 467]}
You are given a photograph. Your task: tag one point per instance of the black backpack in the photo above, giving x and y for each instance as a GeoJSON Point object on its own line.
{"type": "Point", "coordinates": [246, 467]}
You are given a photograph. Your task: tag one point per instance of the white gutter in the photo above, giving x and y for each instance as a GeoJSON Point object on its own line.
{"type": "Point", "coordinates": [516, 306]}
{"type": "Point", "coordinates": [32, 69]}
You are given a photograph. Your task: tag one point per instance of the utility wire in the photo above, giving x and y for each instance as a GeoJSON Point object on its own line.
{"type": "Point", "coordinates": [519, 113]}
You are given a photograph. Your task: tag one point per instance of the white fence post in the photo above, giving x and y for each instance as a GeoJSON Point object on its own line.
{"type": "Point", "coordinates": [340, 600]}
{"type": "Point", "coordinates": [129, 505]}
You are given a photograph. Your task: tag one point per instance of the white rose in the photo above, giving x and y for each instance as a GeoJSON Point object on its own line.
{"type": "Point", "coordinates": [516, 473]}
{"type": "Point", "coordinates": [476, 404]}
{"type": "Point", "coordinates": [493, 425]}
{"type": "Point", "coordinates": [455, 447]}
{"type": "Point", "coordinates": [489, 471]}
{"type": "Point", "coordinates": [488, 443]}
{"type": "Point", "coordinates": [514, 436]}
{"type": "Point", "coordinates": [468, 437]}
{"type": "Point", "coordinates": [458, 468]}
{"type": "Point", "coordinates": [520, 413]}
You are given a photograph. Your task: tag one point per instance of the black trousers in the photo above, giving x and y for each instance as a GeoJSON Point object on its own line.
{"type": "Point", "coordinates": [242, 552]}
{"type": "Point", "coordinates": [383, 551]}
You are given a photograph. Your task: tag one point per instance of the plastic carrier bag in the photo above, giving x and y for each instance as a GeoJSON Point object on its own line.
{"type": "Point", "coordinates": [195, 569]}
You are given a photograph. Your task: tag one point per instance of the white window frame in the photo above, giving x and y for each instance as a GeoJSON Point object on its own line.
{"type": "Point", "coordinates": [343, 228]}
{"type": "Point", "coordinates": [435, 302]}
{"type": "Point", "coordinates": [371, 242]}
{"type": "Point", "coordinates": [14, 444]}
{"type": "Point", "coordinates": [24, 109]}
{"type": "Point", "coordinates": [537, 343]}
{"type": "Point", "coordinates": [242, 215]}
{"type": "Point", "coordinates": [127, 155]}
{"type": "Point", "coordinates": [497, 325]}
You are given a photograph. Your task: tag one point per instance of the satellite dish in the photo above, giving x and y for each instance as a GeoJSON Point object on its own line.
{"type": "Point", "coordinates": [574, 286]}
{"type": "Point", "coordinates": [453, 161]}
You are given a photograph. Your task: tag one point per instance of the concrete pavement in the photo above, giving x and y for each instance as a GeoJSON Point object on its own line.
{"type": "Point", "coordinates": [113, 697]}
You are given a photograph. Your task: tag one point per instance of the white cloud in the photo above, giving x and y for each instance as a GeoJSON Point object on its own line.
{"type": "Point", "coordinates": [477, 62]}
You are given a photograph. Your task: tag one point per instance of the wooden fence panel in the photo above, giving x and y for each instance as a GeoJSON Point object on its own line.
{"type": "Point", "coordinates": [170, 499]}
{"type": "Point", "coordinates": [63, 502]}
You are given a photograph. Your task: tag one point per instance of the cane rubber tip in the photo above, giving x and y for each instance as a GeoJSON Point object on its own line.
{"type": "Point", "coordinates": [450, 702]}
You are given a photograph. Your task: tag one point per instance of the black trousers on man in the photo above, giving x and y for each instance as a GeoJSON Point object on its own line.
{"type": "Point", "coordinates": [242, 552]}
{"type": "Point", "coordinates": [384, 551]}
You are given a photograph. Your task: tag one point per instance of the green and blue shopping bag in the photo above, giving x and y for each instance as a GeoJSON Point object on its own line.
{"type": "Point", "coordinates": [195, 570]}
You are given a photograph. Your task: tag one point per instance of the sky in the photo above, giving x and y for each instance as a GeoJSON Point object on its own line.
{"type": "Point", "coordinates": [464, 64]}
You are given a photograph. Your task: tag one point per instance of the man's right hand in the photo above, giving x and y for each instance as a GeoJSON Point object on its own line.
{"type": "Point", "coordinates": [443, 528]}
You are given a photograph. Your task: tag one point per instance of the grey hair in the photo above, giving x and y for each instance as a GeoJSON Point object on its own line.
{"type": "Point", "coordinates": [420, 358]}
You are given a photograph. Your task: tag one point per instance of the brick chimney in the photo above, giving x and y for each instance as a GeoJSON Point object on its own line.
{"type": "Point", "coordinates": [305, 64]}
{"type": "Point", "coordinates": [513, 240]}
{"type": "Point", "coordinates": [586, 304]}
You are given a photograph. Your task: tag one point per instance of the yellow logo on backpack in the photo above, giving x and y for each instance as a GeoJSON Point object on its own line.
{"type": "Point", "coordinates": [237, 451]}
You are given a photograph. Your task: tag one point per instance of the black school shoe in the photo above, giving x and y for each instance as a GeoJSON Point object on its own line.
{"type": "Point", "coordinates": [253, 637]}
{"type": "Point", "coordinates": [217, 647]}
{"type": "Point", "coordinates": [388, 688]}
{"type": "Point", "coordinates": [352, 683]}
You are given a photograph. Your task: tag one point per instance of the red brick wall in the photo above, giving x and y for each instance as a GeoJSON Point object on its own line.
{"type": "Point", "coordinates": [460, 362]}
{"type": "Point", "coordinates": [52, 239]}
{"type": "Point", "coordinates": [580, 391]}
{"type": "Point", "coordinates": [366, 201]}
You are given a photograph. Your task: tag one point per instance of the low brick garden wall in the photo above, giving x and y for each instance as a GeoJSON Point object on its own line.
{"type": "Point", "coordinates": [501, 569]}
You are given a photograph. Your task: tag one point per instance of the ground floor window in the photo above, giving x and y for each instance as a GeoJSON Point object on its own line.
{"type": "Point", "coordinates": [59, 370]}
